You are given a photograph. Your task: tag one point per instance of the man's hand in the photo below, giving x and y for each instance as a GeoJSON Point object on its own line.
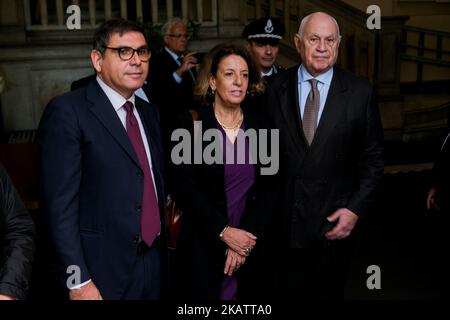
{"type": "Point", "coordinates": [233, 262]}
{"type": "Point", "coordinates": [86, 292]}
{"type": "Point", "coordinates": [431, 200]}
{"type": "Point", "coordinates": [189, 62]}
{"type": "Point", "coordinates": [346, 222]}
{"type": "Point", "coordinates": [6, 297]}
{"type": "Point", "coordinates": [239, 240]}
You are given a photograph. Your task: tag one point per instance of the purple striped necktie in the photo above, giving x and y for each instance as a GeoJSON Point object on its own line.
{"type": "Point", "coordinates": [150, 218]}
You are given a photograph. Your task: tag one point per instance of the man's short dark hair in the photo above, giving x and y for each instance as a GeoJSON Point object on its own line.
{"type": "Point", "coordinates": [103, 33]}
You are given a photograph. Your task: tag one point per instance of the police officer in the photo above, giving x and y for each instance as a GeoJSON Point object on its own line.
{"type": "Point", "coordinates": [263, 36]}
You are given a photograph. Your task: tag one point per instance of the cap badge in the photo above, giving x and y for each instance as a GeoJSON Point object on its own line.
{"type": "Point", "coordinates": [269, 26]}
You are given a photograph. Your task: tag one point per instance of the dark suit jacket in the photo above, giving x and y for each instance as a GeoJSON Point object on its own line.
{"type": "Point", "coordinates": [200, 192]}
{"type": "Point", "coordinates": [166, 93]}
{"type": "Point", "coordinates": [17, 235]}
{"type": "Point", "coordinates": [92, 185]}
{"type": "Point", "coordinates": [343, 166]}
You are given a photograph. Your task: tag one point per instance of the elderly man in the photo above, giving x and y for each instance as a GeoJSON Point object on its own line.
{"type": "Point", "coordinates": [172, 73]}
{"type": "Point", "coordinates": [102, 191]}
{"type": "Point", "coordinates": [263, 38]}
{"type": "Point", "coordinates": [331, 162]}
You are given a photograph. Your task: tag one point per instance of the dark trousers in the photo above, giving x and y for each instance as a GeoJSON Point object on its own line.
{"type": "Point", "coordinates": [315, 274]}
{"type": "Point", "coordinates": [145, 280]}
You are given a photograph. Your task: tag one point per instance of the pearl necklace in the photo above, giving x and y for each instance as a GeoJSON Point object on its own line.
{"type": "Point", "coordinates": [236, 126]}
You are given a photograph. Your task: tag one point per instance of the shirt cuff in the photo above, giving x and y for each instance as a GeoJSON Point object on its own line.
{"type": "Point", "coordinates": [81, 285]}
{"type": "Point", "coordinates": [177, 78]}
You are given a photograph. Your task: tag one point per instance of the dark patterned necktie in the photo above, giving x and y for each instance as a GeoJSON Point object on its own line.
{"type": "Point", "coordinates": [150, 219]}
{"type": "Point", "coordinates": [311, 112]}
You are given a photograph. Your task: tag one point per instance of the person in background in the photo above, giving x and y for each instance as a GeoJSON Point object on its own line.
{"type": "Point", "coordinates": [173, 73]}
{"type": "Point", "coordinates": [17, 235]}
{"type": "Point", "coordinates": [439, 195]}
{"type": "Point", "coordinates": [263, 39]}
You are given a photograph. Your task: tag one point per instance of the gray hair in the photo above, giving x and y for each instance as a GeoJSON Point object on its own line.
{"type": "Point", "coordinates": [305, 20]}
{"type": "Point", "coordinates": [170, 24]}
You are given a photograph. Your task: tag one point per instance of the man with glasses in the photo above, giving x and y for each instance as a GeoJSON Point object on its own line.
{"type": "Point", "coordinates": [331, 162]}
{"type": "Point", "coordinates": [102, 191]}
{"type": "Point", "coordinates": [173, 73]}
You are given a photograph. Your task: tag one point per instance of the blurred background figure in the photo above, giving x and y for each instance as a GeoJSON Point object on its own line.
{"type": "Point", "coordinates": [439, 195]}
{"type": "Point", "coordinates": [173, 73]}
{"type": "Point", "coordinates": [17, 247]}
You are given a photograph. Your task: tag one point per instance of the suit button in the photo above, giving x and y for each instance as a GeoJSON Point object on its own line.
{"type": "Point", "coordinates": [297, 203]}
{"type": "Point", "coordinates": [138, 208]}
{"type": "Point", "coordinates": [139, 174]}
{"type": "Point", "coordinates": [136, 239]}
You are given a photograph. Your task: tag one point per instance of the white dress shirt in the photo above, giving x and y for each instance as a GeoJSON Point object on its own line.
{"type": "Point", "coordinates": [118, 101]}
{"type": "Point", "coordinates": [304, 87]}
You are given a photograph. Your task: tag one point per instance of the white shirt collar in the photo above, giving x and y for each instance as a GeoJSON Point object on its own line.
{"type": "Point", "coordinates": [325, 77]}
{"type": "Point", "coordinates": [172, 54]}
{"type": "Point", "coordinates": [267, 74]}
{"type": "Point", "coordinates": [116, 99]}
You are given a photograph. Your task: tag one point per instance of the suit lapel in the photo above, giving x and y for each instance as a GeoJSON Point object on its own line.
{"type": "Point", "coordinates": [170, 61]}
{"type": "Point", "coordinates": [206, 115]}
{"type": "Point", "coordinates": [335, 104]}
{"type": "Point", "coordinates": [102, 108]}
{"type": "Point", "coordinates": [290, 108]}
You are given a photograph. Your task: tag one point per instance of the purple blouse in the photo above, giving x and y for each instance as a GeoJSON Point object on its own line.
{"type": "Point", "coordinates": [238, 180]}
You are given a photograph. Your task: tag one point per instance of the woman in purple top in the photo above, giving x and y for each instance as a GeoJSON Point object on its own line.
{"type": "Point", "coordinates": [227, 203]}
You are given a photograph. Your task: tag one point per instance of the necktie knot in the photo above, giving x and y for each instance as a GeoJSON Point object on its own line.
{"type": "Point", "coordinates": [131, 120]}
{"type": "Point", "coordinates": [128, 106]}
{"type": "Point", "coordinates": [313, 83]}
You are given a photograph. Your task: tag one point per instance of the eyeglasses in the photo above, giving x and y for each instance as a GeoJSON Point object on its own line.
{"type": "Point", "coordinates": [179, 35]}
{"type": "Point", "coordinates": [126, 53]}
